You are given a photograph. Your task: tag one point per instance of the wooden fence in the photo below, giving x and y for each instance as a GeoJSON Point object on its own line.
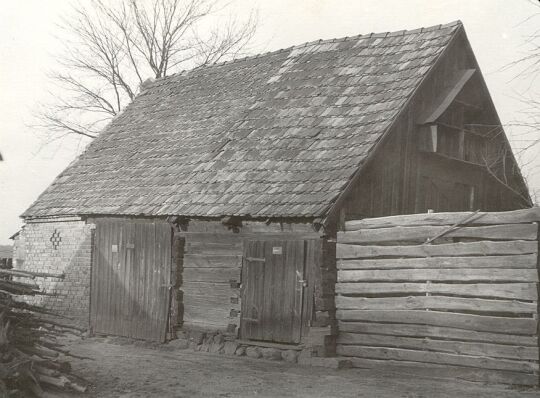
{"type": "Point", "coordinates": [465, 302]}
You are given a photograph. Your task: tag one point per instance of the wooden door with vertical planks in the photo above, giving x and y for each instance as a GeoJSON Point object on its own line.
{"type": "Point", "coordinates": [272, 290]}
{"type": "Point", "coordinates": [131, 271]}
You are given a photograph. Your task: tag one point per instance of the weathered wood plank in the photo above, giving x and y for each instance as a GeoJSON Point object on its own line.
{"type": "Point", "coordinates": [446, 97]}
{"type": "Point", "coordinates": [214, 248]}
{"type": "Point", "coordinates": [212, 260]}
{"type": "Point", "coordinates": [266, 322]}
{"type": "Point", "coordinates": [208, 274]}
{"type": "Point", "coordinates": [520, 291]}
{"type": "Point", "coordinates": [515, 261]}
{"type": "Point", "coordinates": [411, 330]}
{"type": "Point", "coordinates": [436, 357]}
{"type": "Point", "coordinates": [207, 325]}
{"type": "Point", "coordinates": [454, 347]}
{"type": "Point", "coordinates": [194, 313]}
{"type": "Point", "coordinates": [314, 258]}
{"type": "Point", "coordinates": [442, 274]}
{"type": "Point", "coordinates": [524, 326]}
{"type": "Point", "coordinates": [134, 269]}
{"type": "Point", "coordinates": [450, 218]}
{"type": "Point", "coordinates": [346, 251]}
{"type": "Point", "coordinates": [435, 303]}
{"type": "Point", "coordinates": [210, 288]}
{"type": "Point", "coordinates": [491, 232]}
{"type": "Point", "coordinates": [452, 372]}
{"type": "Point", "coordinates": [297, 265]}
{"type": "Point", "coordinates": [210, 301]}
{"type": "Point", "coordinates": [212, 238]}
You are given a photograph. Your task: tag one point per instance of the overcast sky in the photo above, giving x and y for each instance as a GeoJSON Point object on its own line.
{"type": "Point", "coordinates": [29, 38]}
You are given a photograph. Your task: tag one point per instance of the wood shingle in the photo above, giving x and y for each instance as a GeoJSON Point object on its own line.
{"type": "Point", "coordinates": [274, 135]}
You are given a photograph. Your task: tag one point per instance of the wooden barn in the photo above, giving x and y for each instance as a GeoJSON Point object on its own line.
{"type": "Point", "coordinates": [213, 201]}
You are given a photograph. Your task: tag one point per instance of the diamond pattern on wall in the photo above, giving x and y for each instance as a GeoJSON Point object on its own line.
{"type": "Point", "coordinates": [55, 239]}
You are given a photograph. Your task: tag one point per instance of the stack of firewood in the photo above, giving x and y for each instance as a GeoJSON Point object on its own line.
{"type": "Point", "coordinates": [32, 359]}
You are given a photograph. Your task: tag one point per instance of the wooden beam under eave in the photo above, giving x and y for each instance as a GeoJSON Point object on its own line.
{"type": "Point", "coordinates": [444, 101]}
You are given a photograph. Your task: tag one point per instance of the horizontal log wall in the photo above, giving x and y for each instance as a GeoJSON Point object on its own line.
{"type": "Point", "coordinates": [466, 302]}
{"type": "Point", "coordinates": [211, 269]}
{"type": "Point", "coordinates": [211, 278]}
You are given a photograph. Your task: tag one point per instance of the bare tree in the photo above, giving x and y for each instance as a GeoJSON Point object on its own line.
{"type": "Point", "coordinates": [527, 69]}
{"type": "Point", "coordinates": [526, 124]}
{"type": "Point", "coordinates": [114, 47]}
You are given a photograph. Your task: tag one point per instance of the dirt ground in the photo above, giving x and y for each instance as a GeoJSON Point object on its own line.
{"type": "Point", "coordinates": [132, 370]}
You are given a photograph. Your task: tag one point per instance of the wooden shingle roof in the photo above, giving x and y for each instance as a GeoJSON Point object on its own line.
{"type": "Point", "coordinates": [274, 135]}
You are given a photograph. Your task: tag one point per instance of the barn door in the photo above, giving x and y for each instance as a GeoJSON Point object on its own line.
{"type": "Point", "coordinates": [272, 290]}
{"type": "Point", "coordinates": [130, 279]}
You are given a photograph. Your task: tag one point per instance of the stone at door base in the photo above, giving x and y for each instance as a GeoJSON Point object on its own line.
{"type": "Point", "coordinates": [240, 351]}
{"type": "Point", "coordinates": [205, 346]}
{"type": "Point", "coordinates": [230, 348]}
{"type": "Point", "coordinates": [216, 347]}
{"type": "Point", "coordinates": [197, 337]}
{"type": "Point", "coordinates": [304, 356]}
{"type": "Point", "coordinates": [179, 344]}
{"type": "Point", "coordinates": [290, 356]}
{"type": "Point", "coordinates": [271, 353]}
{"type": "Point", "coordinates": [218, 339]}
{"type": "Point", "coordinates": [253, 352]}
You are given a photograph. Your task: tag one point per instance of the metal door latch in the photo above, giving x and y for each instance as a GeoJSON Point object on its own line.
{"type": "Point", "coordinates": [300, 280]}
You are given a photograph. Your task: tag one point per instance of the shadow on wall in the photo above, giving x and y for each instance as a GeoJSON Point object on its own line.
{"type": "Point", "coordinates": [131, 300]}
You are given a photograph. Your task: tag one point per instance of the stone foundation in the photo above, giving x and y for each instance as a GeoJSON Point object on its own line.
{"type": "Point", "coordinates": [218, 343]}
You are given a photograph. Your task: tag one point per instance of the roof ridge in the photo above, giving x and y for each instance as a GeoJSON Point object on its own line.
{"type": "Point", "coordinates": [319, 41]}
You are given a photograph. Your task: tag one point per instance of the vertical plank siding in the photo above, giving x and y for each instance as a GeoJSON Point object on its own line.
{"type": "Point", "coordinates": [131, 278]}
{"type": "Point", "coordinates": [272, 303]}
{"type": "Point", "coordinates": [402, 178]}
{"type": "Point", "coordinates": [466, 305]}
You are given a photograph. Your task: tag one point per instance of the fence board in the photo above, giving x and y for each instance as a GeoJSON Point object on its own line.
{"type": "Point", "coordinates": [436, 303]}
{"type": "Point", "coordinates": [492, 232]}
{"type": "Point", "coordinates": [470, 305]}
{"type": "Point", "coordinates": [515, 261]}
{"type": "Point", "coordinates": [466, 275]}
{"type": "Point", "coordinates": [454, 347]}
{"type": "Point", "coordinates": [411, 330]}
{"type": "Point", "coordinates": [416, 369]}
{"type": "Point", "coordinates": [525, 326]}
{"type": "Point", "coordinates": [446, 250]}
{"type": "Point", "coordinates": [520, 291]}
{"type": "Point", "coordinates": [506, 217]}
{"type": "Point", "coordinates": [437, 357]}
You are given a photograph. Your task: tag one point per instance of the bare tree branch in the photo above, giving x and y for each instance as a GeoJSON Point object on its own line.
{"type": "Point", "coordinates": [113, 47]}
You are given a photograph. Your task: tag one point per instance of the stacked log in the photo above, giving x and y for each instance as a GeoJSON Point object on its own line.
{"type": "Point", "coordinates": [463, 301]}
{"type": "Point", "coordinates": [32, 359]}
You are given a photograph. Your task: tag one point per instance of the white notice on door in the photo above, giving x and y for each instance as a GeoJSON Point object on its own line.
{"type": "Point", "coordinates": [277, 250]}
